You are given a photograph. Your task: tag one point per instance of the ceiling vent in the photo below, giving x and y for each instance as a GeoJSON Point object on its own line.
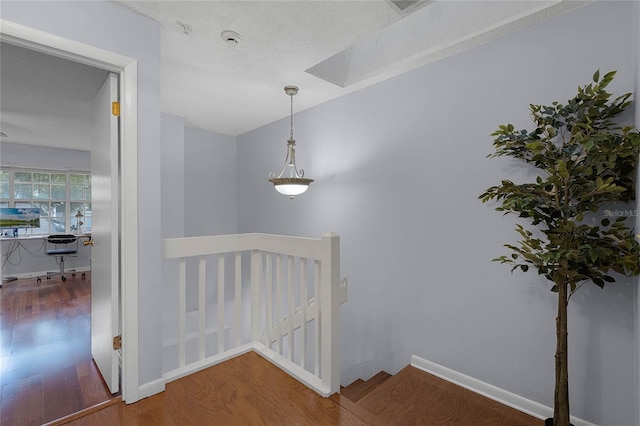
{"type": "Point", "coordinates": [407, 6]}
{"type": "Point", "coordinates": [232, 38]}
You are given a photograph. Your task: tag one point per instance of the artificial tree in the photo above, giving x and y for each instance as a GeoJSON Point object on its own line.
{"type": "Point", "coordinates": [584, 161]}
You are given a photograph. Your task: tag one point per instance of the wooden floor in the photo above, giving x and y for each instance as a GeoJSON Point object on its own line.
{"type": "Point", "coordinates": [246, 390]}
{"type": "Point", "coordinates": [249, 390]}
{"type": "Point", "coordinates": [46, 368]}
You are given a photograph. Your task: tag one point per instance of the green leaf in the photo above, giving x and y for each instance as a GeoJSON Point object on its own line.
{"type": "Point", "coordinates": [597, 281]}
{"type": "Point", "coordinates": [562, 169]}
{"type": "Point", "coordinates": [583, 159]}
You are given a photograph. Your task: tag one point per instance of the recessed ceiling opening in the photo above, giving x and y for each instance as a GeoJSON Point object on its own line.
{"type": "Point", "coordinates": [406, 6]}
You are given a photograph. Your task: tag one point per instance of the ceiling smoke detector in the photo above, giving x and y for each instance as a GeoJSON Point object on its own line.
{"type": "Point", "coordinates": [231, 37]}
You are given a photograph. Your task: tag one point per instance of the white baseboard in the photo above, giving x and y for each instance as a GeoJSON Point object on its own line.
{"type": "Point", "coordinates": [502, 396]}
{"type": "Point", "coordinates": [37, 274]}
{"type": "Point", "coordinates": [283, 363]}
{"type": "Point", "coordinates": [205, 363]}
{"type": "Point", "coordinates": [151, 388]}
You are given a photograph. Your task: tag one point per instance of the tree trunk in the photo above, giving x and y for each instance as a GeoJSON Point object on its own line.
{"type": "Point", "coordinates": [561, 397]}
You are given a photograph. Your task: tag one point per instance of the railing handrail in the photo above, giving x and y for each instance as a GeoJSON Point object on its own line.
{"type": "Point", "coordinates": [216, 244]}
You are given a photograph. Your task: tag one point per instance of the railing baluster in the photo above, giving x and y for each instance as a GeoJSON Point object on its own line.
{"type": "Point", "coordinates": [269, 298]}
{"type": "Point", "coordinates": [202, 298]}
{"type": "Point", "coordinates": [316, 322]}
{"type": "Point", "coordinates": [257, 302]}
{"type": "Point", "coordinates": [303, 310]}
{"type": "Point", "coordinates": [292, 306]}
{"type": "Point", "coordinates": [220, 303]}
{"type": "Point", "coordinates": [279, 301]}
{"type": "Point", "coordinates": [237, 325]}
{"type": "Point", "coordinates": [182, 311]}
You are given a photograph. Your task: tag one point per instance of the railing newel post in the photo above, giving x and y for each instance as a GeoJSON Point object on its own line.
{"type": "Point", "coordinates": [330, 312]}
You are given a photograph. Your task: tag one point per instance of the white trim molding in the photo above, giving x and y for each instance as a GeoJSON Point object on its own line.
{"type": "Point", "coordinates": [502, 396]}
{"type": "Point", "coordinates": [151, 388]}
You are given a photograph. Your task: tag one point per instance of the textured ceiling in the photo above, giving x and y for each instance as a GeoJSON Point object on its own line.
{"type": "Point", "coordinates": [235, 88]}
{"type": "Point", "coordinates": [327, 48]}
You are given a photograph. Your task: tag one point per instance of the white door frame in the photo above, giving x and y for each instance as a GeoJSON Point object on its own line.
{"type": "Point", "coordinates": [127, 69]}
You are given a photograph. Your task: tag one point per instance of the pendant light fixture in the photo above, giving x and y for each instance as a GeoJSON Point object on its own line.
{"type": "Point", "coordinates": [290, 181]}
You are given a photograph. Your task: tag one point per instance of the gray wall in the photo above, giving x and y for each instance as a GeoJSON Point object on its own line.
{"type": "Point", "coordinates": [210, 183]}
{"type": "Point", "coordinates": [199, 187]}
{"type": "Point", "coordinates": [173, 206]}
{"type": "Point", "coordinates": [199, 195]}
{"type": "Point", "coordinates": [398, 169]}
{"type": "Point", "coordinates": [19, 155]}
{"type": "Point", "coordinates": [172, 179]}
{"type": "Point", "coordinates": [114, 28]}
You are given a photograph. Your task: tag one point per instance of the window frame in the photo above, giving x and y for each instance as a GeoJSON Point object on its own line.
{"type": "Point", "coordinates": [69, 216]}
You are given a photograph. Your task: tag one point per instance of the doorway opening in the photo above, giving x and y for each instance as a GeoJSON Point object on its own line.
{"type": "Point", "coordinates": [126, 231]}
{"type": "Point", "coordinates": [58, 117]}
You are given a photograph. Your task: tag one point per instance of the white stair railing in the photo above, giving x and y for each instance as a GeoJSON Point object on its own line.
{"type": "Point", "coordinates": [285, 305]}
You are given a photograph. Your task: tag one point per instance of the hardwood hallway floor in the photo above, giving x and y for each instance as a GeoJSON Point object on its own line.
{"type": "Point", "coordinates": [250, 391]}
{"type": "Point", "coordinates": [46, 368]}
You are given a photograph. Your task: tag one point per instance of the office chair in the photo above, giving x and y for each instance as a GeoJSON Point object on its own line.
{"type": "Point", "coordinates": [61, 246]}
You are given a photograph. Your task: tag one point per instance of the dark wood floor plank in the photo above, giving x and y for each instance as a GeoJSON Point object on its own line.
{"type": "Point", "coordinates": [46, 368]}
{"type": "Point", "coordinates": [356, 409]}
{"type": "Point", "coordinates": [26, 395]}
{"type": "Point", "coordinates": [92, 386]}
{"type": "Point", "coordinates": [62, 393]}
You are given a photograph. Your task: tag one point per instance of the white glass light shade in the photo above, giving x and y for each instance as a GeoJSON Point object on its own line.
{"type": "Point", "coordinates": [291, 186]}
{"type": "Point", "coordinates": [291, 189]}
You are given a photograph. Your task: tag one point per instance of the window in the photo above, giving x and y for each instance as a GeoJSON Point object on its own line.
{"type": "Point", "coordinates": [64, 198]}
